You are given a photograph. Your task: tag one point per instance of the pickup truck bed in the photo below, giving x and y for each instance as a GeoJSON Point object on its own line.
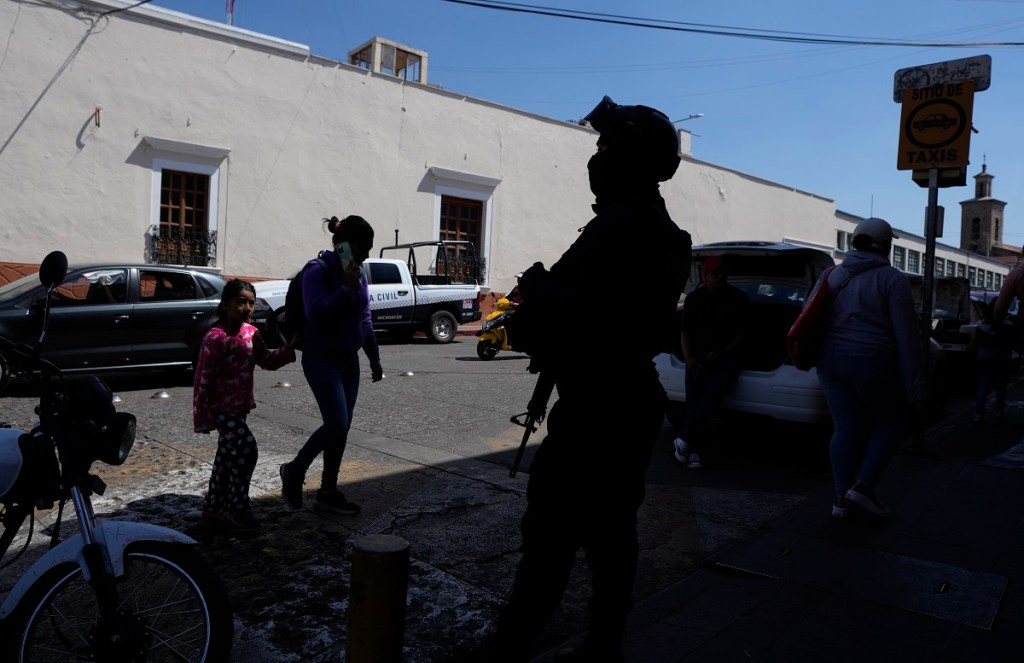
{"type": "Point", "coordinates": [402, 301]}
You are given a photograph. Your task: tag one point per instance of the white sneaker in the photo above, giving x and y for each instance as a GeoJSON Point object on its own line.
{"type": "Point", "coordinates": [680, 450]}
{"type": "Point", "coordinates": [693, 462]}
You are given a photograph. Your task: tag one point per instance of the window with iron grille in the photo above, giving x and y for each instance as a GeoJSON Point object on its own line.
{"type": "Point", "coordinates": [463, 213]}
{"type": "Point", "coordinates": [183, 236]}
{"type": "Point", "coordinates": [461, 220]}
{"type": "Point", "coordinates": [184, 201]}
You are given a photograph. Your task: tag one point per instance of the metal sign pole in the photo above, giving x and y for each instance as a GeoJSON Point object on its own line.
{"type": "Point", "coordinates": [928, 284]}
{"type": "Point", "coordinates": [935, 129]}
{"type": "Point", "coordinates": [930, 230]}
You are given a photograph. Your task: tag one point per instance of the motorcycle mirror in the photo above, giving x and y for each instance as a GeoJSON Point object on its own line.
{"type": "Point", "coordinates": [53, 268]}
{"type": "Point", "coordinates": [51, 272]}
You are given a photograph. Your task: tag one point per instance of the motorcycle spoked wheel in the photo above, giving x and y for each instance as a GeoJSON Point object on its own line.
{"type": "Point", "coordinates": [486, 350]}
{"type": "Point", "coordinates": [168, 588]}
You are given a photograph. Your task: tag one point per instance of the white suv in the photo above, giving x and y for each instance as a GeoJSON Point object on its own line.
{"type": "Point", "coordinates": [777, 278]}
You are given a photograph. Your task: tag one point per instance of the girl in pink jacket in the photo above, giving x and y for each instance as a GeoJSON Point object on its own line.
{"type": "Point", "coordinates": [223, 396]}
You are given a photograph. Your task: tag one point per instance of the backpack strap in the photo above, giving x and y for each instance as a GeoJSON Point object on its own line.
{"type": "Point", "coordinates": [833, 293]}
{"type": "Point", "coordinates": [328, 272]}
{"type": "Point", "coordinates": [849, 275]}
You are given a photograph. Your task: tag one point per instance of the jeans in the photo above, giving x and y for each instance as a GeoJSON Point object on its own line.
{"type": "Point", "coordinates": [992, 376]}
{"type": "Point", "coordinates": [865, 395]}
{"type": "Point", "coordinates": [706, 388]}
{"type": "Point", "coordinates": [335, 385]}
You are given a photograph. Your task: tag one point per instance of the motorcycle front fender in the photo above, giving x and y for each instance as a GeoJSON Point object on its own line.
{"type": "Point", "coordinates": [490, 336]}
{"type": "Point", "coordinates": [112, 535]}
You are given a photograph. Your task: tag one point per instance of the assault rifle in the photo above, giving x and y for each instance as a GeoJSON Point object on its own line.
{"type": "Point", "coordinates": [536, 410]}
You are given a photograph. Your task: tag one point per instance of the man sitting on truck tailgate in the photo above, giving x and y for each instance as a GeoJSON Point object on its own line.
{"type": "Point", "coordinates": [712, 335]}
{"type": "Point", "coordinates": [587, 478]}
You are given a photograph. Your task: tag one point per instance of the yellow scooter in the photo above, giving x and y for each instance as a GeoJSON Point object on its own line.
{"type": "Point", "coordinates": [493, 336]}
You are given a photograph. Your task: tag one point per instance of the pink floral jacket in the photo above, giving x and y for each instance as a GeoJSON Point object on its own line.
{"type": "Point", "coordinates": [224, 374]}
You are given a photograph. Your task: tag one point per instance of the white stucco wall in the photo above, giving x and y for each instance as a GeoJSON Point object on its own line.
{"type": "Point", "coordinates": [292, 138]}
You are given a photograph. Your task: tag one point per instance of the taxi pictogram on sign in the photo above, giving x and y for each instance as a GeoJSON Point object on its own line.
{"type": "Point", "coordinates": [935, 127]}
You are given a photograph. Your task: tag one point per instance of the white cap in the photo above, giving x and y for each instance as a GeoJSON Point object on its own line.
{"type": "Point", "coordinates": [878, 230]}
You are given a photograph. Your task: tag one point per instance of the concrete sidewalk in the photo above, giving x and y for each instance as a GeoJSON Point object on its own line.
{"type": "Point", "coordinates": [940, 581]}
{"type": "Point", "coordinates": [726, 576]}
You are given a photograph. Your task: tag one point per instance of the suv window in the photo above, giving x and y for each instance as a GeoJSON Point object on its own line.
{"type": "Point", "coordinates": [106, 286]}
{"type": "Point", "coordinates": [206, 287]}
{"type": "Point", "coordinates": [159, 286]}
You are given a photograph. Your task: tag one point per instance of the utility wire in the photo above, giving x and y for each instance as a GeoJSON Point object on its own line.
{"type": "Point", "coordinates": [121, 9]}
{"type": "Point", "coordinates": [726, 31]}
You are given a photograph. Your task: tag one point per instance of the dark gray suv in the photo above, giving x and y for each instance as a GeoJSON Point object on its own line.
{"type": "Point", "coordinates": [114, 316]}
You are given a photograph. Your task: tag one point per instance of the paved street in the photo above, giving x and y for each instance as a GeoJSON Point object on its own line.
{"type": "Point", "coordinates": [428, 460]}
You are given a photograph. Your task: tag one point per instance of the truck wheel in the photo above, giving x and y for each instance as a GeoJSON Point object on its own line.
{"type": "Point", "coordinates": [486, 350]}
{"type": "Point", "coordinates": [442, 327]}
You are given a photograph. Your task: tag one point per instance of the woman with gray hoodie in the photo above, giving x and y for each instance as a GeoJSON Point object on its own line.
{"type": "Point", "coordinates": [871, 367]}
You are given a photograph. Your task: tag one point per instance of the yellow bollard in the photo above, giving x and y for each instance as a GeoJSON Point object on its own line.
{"type": "Point", "coordinates": [376, 602]}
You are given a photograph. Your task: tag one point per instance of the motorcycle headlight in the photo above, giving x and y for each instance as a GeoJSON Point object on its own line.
{"type": "Point", "coordinates": [114, 438]}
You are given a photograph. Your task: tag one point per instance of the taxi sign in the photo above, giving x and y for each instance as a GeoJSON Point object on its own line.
{"type": "Point", "coordinates": [935, 126]}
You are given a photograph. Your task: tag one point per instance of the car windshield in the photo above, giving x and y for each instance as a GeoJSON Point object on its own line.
{"type": "Point", "coordinates": [16, 289]}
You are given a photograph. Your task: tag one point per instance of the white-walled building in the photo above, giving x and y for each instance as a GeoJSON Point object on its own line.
{"type": "Point", "coordinates": [149, 135]}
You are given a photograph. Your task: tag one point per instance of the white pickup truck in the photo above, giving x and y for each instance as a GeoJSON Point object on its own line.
{"type": "Point", "coordinates": [434, 288]}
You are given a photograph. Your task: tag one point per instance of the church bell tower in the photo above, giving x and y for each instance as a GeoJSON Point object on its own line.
{"type": "Point", "coordinates": [981, 218]}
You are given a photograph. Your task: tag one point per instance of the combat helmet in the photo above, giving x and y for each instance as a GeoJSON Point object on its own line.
{"type": "Point", "coordinates": [646, 132]}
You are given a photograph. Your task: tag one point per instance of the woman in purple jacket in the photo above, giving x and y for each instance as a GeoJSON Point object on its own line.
{"type": "Point", "coordinates": [337, 305]}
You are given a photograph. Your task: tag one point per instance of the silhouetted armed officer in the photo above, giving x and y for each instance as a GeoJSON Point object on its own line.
{"type": "Point", "coordinates": [587, 478]}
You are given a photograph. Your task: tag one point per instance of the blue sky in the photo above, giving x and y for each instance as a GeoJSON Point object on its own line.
{"type": "Point", "coordinates": [820, 118]}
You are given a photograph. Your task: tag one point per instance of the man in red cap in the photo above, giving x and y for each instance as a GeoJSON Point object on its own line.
{"type": "Point", "coordinates": [713, 322]}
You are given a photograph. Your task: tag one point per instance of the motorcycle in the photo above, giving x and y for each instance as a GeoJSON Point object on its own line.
{"type": "Point", "coordinates": [493, 337]}
{"type": "Point", "coordinates": [118, 591]}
